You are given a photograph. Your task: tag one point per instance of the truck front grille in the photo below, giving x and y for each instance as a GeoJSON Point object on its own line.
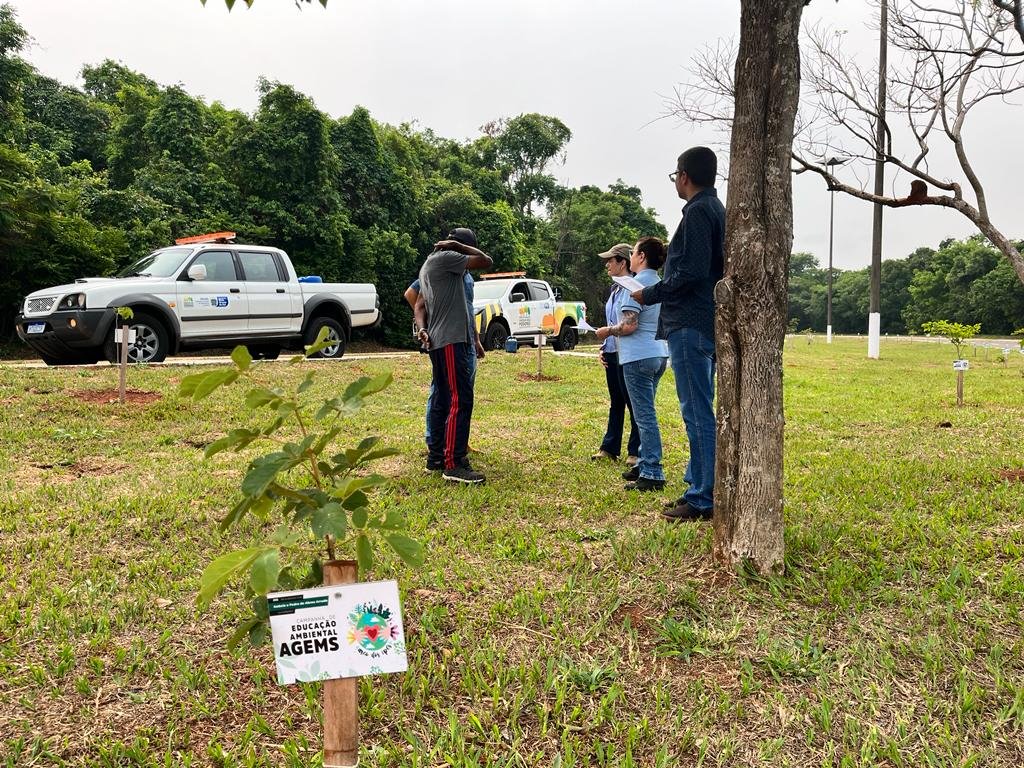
{"type": "Point", "coordinates": [40, 306]}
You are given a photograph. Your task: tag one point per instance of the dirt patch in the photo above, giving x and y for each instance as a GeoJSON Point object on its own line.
{"type": "Point", "coordinates": [632, 612]}
{"type": "Point", "coordinates": [533, 377]}
{"type": "Point", "coordinates": [1013, 475]}
{"type": "Point", "coordinates": [92, 466]}
{"type": "Point", "coordinates": [136, 396]}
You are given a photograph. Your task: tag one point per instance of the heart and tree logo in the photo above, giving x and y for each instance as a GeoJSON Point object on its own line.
{"type": "Point", "coordinates": [371, 629]}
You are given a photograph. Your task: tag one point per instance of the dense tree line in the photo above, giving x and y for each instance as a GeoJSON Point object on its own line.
{"type": "Point", "coordinates": [964, 281]}
{"type": "Point", "coordinates": [92, 177]}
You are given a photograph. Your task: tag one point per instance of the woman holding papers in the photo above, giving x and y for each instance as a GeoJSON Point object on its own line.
{"type": "Point", "coordinates": [616, 262]}
{"type": "Point", "coordinates": [643, 359]}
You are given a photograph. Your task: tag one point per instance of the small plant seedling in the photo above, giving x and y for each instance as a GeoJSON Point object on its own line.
{"type": "Point", "coordinates": [323, 505]}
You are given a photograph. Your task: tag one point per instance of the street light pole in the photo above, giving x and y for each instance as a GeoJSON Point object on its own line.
{"type": "Point", "coordinates": [831, 164]}
{"type": "Point", "coordinates": [831, 227]}
{"type": "Point", "coordinates": [875, 307]}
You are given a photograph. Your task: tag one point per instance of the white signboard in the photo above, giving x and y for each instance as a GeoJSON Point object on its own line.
{"type": "Point", "coordinates": [119, 335]}
{"type": "Point", "coordinates": [960, 365]}
{"type": "Point", "coordinates": [540, 340]}
{"type": "Point", "coordinates": [348, 630]}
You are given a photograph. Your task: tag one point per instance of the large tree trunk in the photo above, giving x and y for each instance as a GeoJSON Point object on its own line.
{"type": "Point", "coordinates": [751, 321]}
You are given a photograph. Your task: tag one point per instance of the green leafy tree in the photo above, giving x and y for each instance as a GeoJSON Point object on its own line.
{"type": "Point", "coordinates": [957, 333]}
{"type": "Point", "coordinates": [315, 490]}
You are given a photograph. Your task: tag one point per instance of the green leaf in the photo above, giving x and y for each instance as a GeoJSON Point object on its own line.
{"type": "Point", "coordinates": [258, 635]}
{"type": "Point", "coordinates": [325, 439]}
{"type": "Point", "coordinates": [263, 574]}
{"type": "Point", "coordinates": [200, 385]}
{"type": "Point", "coordinates": [258, 397]}
{"type": "Point", "coordinates": [237, 513]}
{"type": "Point", "coordinates": [236, 439]}
{"type": "Point", "coordinates": [315, 577]}
{"type": "Point", "coordinates": [296, 359]}
{"type": "Point", "coordinates": [273, 426]}
{"type": "Point", "coordinates": [242, 631]}
{"type": "Point", "coordinates": [350, 485]}
{"type": "Point", "coordinates": [321, 342]}
{"type": "Point", "coordinates": [379, 454]}
{"type": "Point", "coordinates": [410, 550]}
{"type": "Point", "coordinates": [240, 357]}
{"type": "Point", "coordinates": [393, 521]}
{"type": "Point", "coordinates": [329, 520]}
{"type": "Point", "coordinates": [263, 470]}
{"type": "Point", "coordinates": [259, 604]}
{"type": "Point", "coordinates": [364, 554]}
{"type": "Point", "coordinates": [378, 383]}
{"type": "Point", "coordinates": [356, 500]}
{"type": "Point", "coordinates": [285, 536]}
{"type": "Point", "coordinates": [222, 570]}
{"type": "Point", "coordinates": [306, 383]}
{"type": "Point", "coordinates": [360, 516]}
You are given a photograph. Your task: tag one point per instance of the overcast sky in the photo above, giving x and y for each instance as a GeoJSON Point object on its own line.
{"type": "Point", "coordinates": [601, 66]}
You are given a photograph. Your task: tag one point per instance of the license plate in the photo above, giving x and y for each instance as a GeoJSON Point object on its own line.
{"type": "Point", "coordinates": [35, 327]}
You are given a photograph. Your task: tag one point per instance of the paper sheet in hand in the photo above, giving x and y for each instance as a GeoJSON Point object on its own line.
{"type": "Point", "coordinates": [629, 283]}
{"type": "Point", "coordinates": [584, 327]}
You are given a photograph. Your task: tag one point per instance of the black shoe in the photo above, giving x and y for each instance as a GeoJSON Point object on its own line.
{"type": "Point", "coordinates": [463, 473]}
{"type": "Point", "coordinates": [670, 505]}
{"type": "Point", "coordinates": [434, 466]}
{"type": "Point", "coordinates": [633, 473]}
{"type": "Point", "coordinates": [645, 484]}
{"type": "Point", "coordinates": [684, 513]}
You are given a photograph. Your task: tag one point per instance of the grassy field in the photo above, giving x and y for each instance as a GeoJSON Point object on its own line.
{"type": "Point", "coordinates": [557, 621]}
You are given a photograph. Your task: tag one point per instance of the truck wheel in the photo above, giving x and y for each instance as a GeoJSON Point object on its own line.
{"type": "Point", "coordinates": [151, 341]}
{"type": "Point", "coordinates": [336, 334]}
{"type": "Point", "coordinates": [566, 338]}
{"type": "Point", "coordinates": [494, 339]}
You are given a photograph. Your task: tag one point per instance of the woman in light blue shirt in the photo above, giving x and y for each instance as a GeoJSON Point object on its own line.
{"type": "Point", "coordinates": [643, 359]}
{"type": "Point", "coordinates": [616, 262]}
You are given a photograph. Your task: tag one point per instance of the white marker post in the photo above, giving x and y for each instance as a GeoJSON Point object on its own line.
{"type": "Point", "coordinates": [123, 336]}
{"type": "Point", "coordinates": [960, 366]}
{"type": "Point", "coordinates": [541, 340]}
{"type": "Point", "coordinates": [338, 633]}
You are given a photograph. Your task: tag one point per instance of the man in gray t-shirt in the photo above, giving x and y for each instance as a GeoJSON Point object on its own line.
{"type": "Point", "coordinates": [444, 323]}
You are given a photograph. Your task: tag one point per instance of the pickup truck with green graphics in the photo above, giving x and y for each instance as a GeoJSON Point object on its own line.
{"type": "Point", "coordinates": [511, 304]}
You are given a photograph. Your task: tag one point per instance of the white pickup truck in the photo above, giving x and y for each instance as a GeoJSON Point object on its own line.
{"type": "Point", "coordinates": [202, 292]}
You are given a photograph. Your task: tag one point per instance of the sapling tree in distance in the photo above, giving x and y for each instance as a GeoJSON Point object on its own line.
{"type": "Point", "coordinates": [955, 332]}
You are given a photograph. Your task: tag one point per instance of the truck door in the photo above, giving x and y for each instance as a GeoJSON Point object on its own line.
{"type": "Point", "coordinates": [521, 315]}
{"type": "Point", "coordinates": [271, 300]}
{"type": "Point", "coordinates": [216, 306]}
{"type": "Point", "coordinates": [543, 305]}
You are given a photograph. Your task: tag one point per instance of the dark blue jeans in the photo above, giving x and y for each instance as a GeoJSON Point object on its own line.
{"type": "Point", "coordinates": [619, 403]}
{"type": "Point", "coordinates": [693, 362]}
{"type": "Point", "coordinates": [642, 377]}
{"type": "Point", "coordinates": [452, 406]}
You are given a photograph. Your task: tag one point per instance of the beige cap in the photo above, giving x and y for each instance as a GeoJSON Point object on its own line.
{"type": "Point", "coordinates": [622, 251]}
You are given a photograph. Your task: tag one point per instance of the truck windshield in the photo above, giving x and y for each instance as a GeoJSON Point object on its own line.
{"type": "Point", "coordinates": [158, 264]}
{"type": "Point", "coordinates": [490, 289]}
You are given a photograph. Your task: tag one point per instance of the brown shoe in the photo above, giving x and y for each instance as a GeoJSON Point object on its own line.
{"type": "Point", "coordinates": [603, 454]}
{"type": "Point", "coordinates": [632, 460]}
{"type": "Point", "coordinates": [684, 513]}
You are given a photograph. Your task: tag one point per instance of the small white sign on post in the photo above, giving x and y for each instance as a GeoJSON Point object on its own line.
{"type": "Point", "coordinates": [960, 365]}
{"type": "Point", "coordinates": [119, 335]}
{"type": "Point", "coordinates": [348, 630]}
{"type": "Point", "coordinates": [540, 339]}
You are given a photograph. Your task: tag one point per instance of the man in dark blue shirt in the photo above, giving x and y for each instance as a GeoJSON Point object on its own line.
{"type": "Point", "coordinates": [686, 294]}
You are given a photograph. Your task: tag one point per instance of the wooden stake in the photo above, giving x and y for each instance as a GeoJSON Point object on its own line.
{"type": "Point", "coordinates": [341, 697]}
{"type": "Point", "coordinates": [959, 387]}
{"type": "Point", "coordinates": [540, 350]}
{"type": "Point", "coordinates": [124, 362]}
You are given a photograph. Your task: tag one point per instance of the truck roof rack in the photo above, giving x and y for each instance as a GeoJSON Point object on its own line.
{"type": "Point", "coordinates": [495, 275]}
{"type": "Point", "coordinates": [211, 237]}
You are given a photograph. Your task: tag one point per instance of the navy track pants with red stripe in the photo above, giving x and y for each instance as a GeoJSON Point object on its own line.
{"type": "Point", "coordinates": [452, 406]}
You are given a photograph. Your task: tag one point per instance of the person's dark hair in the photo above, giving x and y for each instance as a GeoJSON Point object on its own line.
{"type": "Point", "coordinates": [700, 164]}
{"type": "Point", "coordinates": [654, 251]}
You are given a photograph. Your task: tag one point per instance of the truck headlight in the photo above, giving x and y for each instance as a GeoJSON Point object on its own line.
{"type": "Point", "coordinates": [73, 301]}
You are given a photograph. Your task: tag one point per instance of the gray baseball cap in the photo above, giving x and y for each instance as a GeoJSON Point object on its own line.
{"type": "Point", "coordinates": [620, 251]}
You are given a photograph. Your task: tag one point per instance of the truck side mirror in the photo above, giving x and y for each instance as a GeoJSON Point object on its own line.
{"type": "Point", "coordinates": [197, 272]}
{"type": "Point", "coordinates": [517, 297]}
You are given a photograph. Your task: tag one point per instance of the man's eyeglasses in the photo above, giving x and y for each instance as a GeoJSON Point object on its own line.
{"type": "Point", "coordinates": [674, 175]}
